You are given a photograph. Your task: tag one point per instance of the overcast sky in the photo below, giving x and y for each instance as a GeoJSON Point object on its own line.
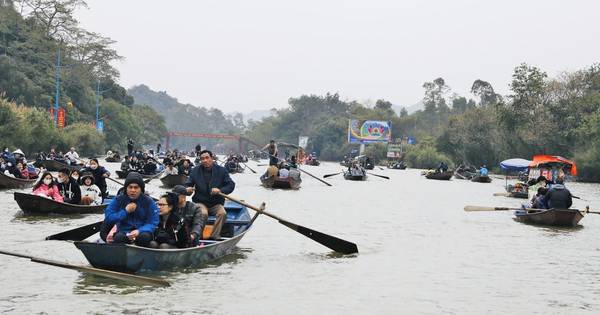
{"type": "Point", "coordinates": [244, 55]}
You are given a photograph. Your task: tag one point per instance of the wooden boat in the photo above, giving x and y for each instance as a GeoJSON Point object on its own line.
{"type": "Point", "coordinates": [233, 168]}
{"type": "Point", "coordinates": [55, 166]}
{"type": "Point", "coordinates": [276, 182]}
{"type": "Point", "coordinates": [397, 166]}
{"type": "Point", "coordinates": [349, 176]}
{"type": "Point", "coordinates": [9, 182]}
{"type": "Point", "coordinates": [550, 217]}
{"type": "Point", "coordinates": [312, 162]}
{"type": "Point", "coordinates": [113, 159]}
{"type": "Point", "coordinates": [171, 181]}
{"type": "Point", "coordinates": [439, 176]}
{"type": "Point", "coordinates": [464, 175]}
{"type": "Point", "coordinates": [132, 258]}
{"type": "Point", "coordinates": [481, 179]}
{"type": "Point", "coordinates": [520, 195]}
{"type": "Point", "coordinates": [33, 204]}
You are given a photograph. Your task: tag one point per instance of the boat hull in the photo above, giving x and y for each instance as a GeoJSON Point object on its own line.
{"type": "Point", "coordinates": [132, 258]}
{"type": "Point", "coordinates": [551, 217]}
{"type": "Point", "coordinates": [33, 204]}
{"type": "Point", "coordinates": [276, 182]}
{"type": "Point", "coordinates": [348, 176]}
{"type": "Point", "coordinates": [9, 182]}
{"type": "Point", "coordinates": [55, 166]}
{"type": "Point", "coordinates": [171, 181]}
{"type": "Point", "coordinates": [481, 179]}
{"type": "Point", "coordinates": [440, 176]}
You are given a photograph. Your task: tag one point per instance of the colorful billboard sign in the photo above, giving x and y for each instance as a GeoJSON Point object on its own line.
{"type": "Point", "coordinates": [367, 131]}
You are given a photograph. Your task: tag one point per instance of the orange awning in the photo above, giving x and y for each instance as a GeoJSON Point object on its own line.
{"type": "Point", "coordinates": [550, 159]}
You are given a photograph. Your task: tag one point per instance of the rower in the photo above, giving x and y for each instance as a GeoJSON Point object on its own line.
{"type": "Point", "coordinates": [559, 197]}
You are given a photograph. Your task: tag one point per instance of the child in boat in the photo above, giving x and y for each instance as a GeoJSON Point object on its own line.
{"type": "Point", "coordinates": [168, 233]}
{"type": "Point", "coordinates": [90, 193]}
{"type": "Point", "coordinates": [47, 188]}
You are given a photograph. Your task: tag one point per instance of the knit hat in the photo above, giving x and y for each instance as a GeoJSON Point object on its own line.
{"type": "Point", "coordinates": [180, 190]}
{"type": "Point", "coordinates": [135, 177]}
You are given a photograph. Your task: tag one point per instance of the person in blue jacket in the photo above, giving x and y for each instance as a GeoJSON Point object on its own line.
{"type": "Point", "coordinates": [483, 171]}
{"type": "Point", "coordinates": [134, 213]}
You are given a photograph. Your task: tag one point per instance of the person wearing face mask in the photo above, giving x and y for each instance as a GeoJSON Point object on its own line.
{"type": "Point", "coordinates": [68, 187]}
{"type": "Point", "coordinates": [75, 176]}
{"type": "Point", "coordinates": [47, 188]}
{"type": "Point", "coordinates": [100, 174]}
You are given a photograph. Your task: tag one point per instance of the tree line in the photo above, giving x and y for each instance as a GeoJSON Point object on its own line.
{"type": "Point", "coordinates": [32, 34]}
{"type": "Point", "coordinates": [541, 115]}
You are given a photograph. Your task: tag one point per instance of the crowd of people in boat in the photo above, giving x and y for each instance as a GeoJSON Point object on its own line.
{"type": "Point", "coordinates": [132, 217]}
{"type": "Point", "coordinates": [550, 194]}
{"type": "Point", "coordinates": [69, 158]}
{"type": "Point", "coordinates": [83, 187]}
{"type": "Point", "coordinates": [14, 164]}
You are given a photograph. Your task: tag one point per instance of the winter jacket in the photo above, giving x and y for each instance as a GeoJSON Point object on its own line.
{"type": "Point", "coordinates": [145, 218]}
{"type": "Point", "coordinates": [51, 192]}
{"type": "Point", "coordinates": [559, 197]}
{"type": "Point", "coordinates": [192, 216]}
{"type": "Point", "coordinates": [219, 179]}
{"type": "Point", "coordinates": [99, 180]}
{"type": "Point", "coordinates": [70, 191]}
{"type": "Point", "coordinates": [92, 191]}
{"type": "Point", "coordinates": [170, 231]}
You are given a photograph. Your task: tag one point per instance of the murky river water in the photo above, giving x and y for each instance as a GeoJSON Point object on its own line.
{"type": "Point", "coordinates": [419, 253]}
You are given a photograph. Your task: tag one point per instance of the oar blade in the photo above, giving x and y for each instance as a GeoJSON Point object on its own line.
{"type": "Point", "coordinates": [329, 175]}
{"type": "Point", "coordinates": [332, 242]}
{"type": "Point", "coordinates": [478, 208]}
{"type": "Point", "coordinates": [503, 194]}
{"type": "Point", "coordinates": [78, 234]}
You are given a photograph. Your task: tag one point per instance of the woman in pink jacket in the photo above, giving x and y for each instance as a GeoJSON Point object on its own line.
{"type": "Point", "coordinates": [46, 187]}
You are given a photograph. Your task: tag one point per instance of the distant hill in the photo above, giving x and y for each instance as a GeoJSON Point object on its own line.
{"type": "Point", "coordinates": [184, 117]}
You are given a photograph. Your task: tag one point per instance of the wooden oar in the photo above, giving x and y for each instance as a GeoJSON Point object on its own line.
{"type": "Point", "coordinates": [505, 194]}
{"type": "Point", "coordinates": [378, 175]}
{"type": "Point", "coordinates": [478, 208]}
{"type": "Point", "coordinates": [116, 181]}
{"type": "Point", "coordinates": [77, 234]}
{"type": "Point", "coordinates": [336, 244]}
{"type": "Point", "coordinates": [262, 164]}
{"type": "Point", "coordinates": [96, 271]}
{"type": "Point", "coordinates": [245, 165]}
{"type": "Point", "coordinates": [329, 175]}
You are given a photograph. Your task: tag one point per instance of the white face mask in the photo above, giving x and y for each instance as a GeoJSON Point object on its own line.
{"type": "Point", "coordinates": [60, 180]}
{"type": "Point", "coordinates": [47, 181]}
{"type": "Point", "coordinates": [94, 166]}
{"type": "Point", "coordinates": [75, 177]}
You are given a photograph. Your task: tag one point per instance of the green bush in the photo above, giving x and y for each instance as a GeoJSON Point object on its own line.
{"type": "Point", "coordinates": [425, 157]}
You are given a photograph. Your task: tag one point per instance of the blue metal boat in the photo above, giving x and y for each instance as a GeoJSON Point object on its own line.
{"type": "Point", "coordinates": [132, 258]}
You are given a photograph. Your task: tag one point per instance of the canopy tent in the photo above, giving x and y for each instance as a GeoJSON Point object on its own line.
{"type": "Point", "coordinates": [515, 165]}
{"type": "Point", "coordinates": [543, 160]}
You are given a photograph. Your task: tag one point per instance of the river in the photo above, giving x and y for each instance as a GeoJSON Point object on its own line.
{"type": "Point", "coordinates": [420, 253]}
